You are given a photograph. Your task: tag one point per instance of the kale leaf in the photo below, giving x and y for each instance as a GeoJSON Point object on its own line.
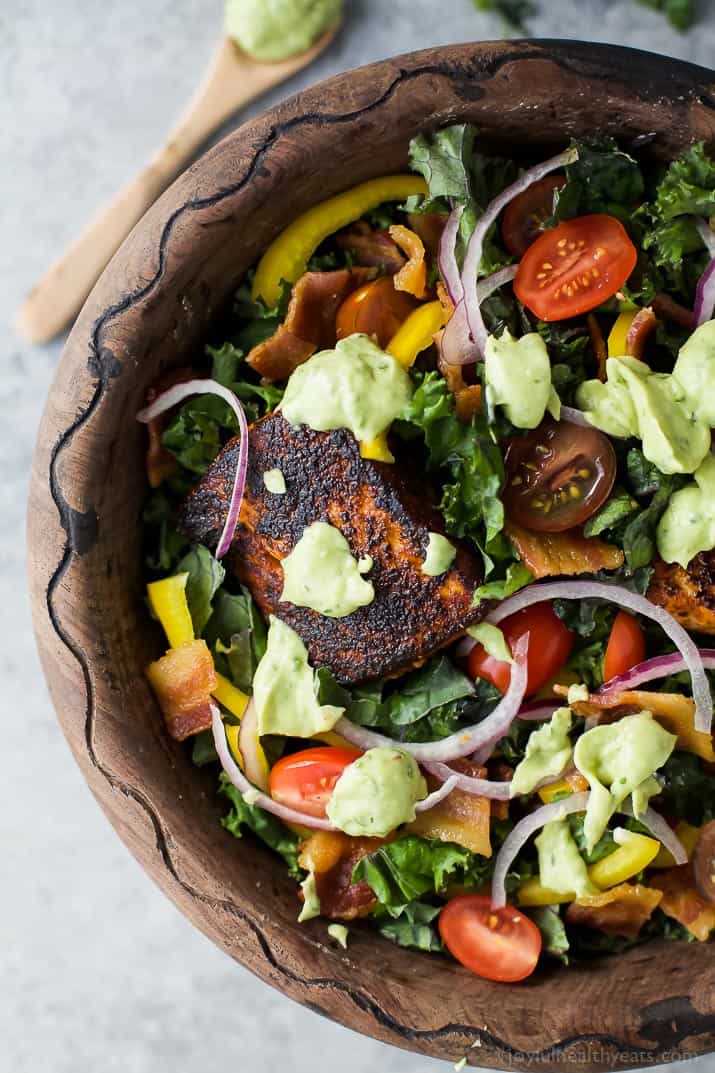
{"type": "Point", "coordinates": [267, 827]}
{"type": "Point", "coordinates": [688, 789]}
{"type": "Point", "coordinates": [602, 179]}
{"type": "Point", "coordinates": [413, 928]}
{"type": "Point", "coordinates": [206, 575]}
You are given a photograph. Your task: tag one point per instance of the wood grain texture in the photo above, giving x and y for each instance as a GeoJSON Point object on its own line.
{"type": "Point", "coordinates": [150, 311]}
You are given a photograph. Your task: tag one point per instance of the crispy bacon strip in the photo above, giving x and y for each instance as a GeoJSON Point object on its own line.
{"type": "Point", "coordinates": [429, 226]}
{"type": "Point", "coordinates": [309, 324]}
{"type": "Point", "coordinates": [467, 397]}
{"type": "Point", "coordinates": [673, 711]}
{"type": "Point", "coordinates": [683, 903]}
{"type": "Point", "coordinates": [689, 595]}
{"type": "Point", "coordinates": [332, 856]}
{"type": "Point", "coordinates": [460, 817]}
{"type": "Point", "coordinates": [666, 308]}
{"type": "Point", "coordinates": [622, 910]}
{"type": "Point", "coordinates": [413, 276]}
{"type": "Point", "coordinates": [600, 351]}
{"type": "Point", "coordinates": [372, 248]}
{"type": "Point", "coordinates": [183, 681]}
{"type": "Point", "coordinates": [554, 554]}
{"type": "Point", "coordinates": [644, 324]}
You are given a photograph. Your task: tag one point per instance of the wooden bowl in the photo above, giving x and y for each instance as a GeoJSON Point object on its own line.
{"type": "Point", "coordinates": [150, 311]}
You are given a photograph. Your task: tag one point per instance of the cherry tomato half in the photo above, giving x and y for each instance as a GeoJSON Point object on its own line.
{"type": "Point", "coordinates": [557, 476]}
{"type": "Point", "coordinates": [525, 216]}
{"type": "Point", "coordinates": [550, 645]}
{"type": "Point", "coordinates": [574, 267]}
{"type": "Point", "coordinates": [498, 944]}
{"type": "Point", "coordinates": [375, 309]}
{"type": "Point", "coordinates": [304, 781]}
{"type": "Point", "coordinates": [625, 648]}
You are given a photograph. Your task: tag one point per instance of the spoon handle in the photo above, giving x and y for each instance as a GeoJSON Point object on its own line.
{"type": "Point", "coordinates": [232, 80]}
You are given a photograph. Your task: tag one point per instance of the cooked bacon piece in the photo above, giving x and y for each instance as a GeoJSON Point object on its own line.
{"type": "Point", "coordinates": [183, 681]}
{"type": "Point", "coordinates": [673, 711]}
{"type": "Point", "coordinates": [666, 308]}
{"type": "Point", "coordinates": [160, 463]}
{"type": "Point", "coordinates": [309, 324]}
{"type": "Point", "coordinates": [429, 226]}
{"type": "Point", "coordinates": [413, 276]}
{"type": "Point", "coordinates": [383, 511]}
{"type": "Point", "coordinates": [444, 300]}
{"type": "Point", "coordinates": [622, 910]}
{"type": "Point", "coordinates": [372, 248]}
{"type": "Point", "coordinates": [682, 902]}
{"type": "Point", "coordinates": [467, 397]}
{"type": "Point", "coordinates": [552, 554]}
{"type": "Point", "coordinates": [332, 860]}
{"type": "Point", "coordinates": [600, 351]}
{"type": "Point", "coordinates": [500, 771]}
{"type": "Point", "coordinates": [689, 595]}
{"type": "Point", "coordinates": [460, 817]}
{"type": "Point", "coordinates": [644, 324]}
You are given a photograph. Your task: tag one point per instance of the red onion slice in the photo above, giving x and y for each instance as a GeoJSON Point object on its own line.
{"type": "Point", "coordinates": [492, 283]}
{"type": "Point", "coordinates": [539, 709]}
{"type": "Point", "coordinates": [438, 795]}
{"type": "Point", "coordinates": [523, 831]}
{"type": "Point", "coordinates": [447, 257]}
{"type": "Point", "coordinates": [457, 347]}
{"type": "Point", "coordinates": [495, 791]}
{"type": "Point", "coordinates": [706, 233]}
{"type": "Point", "coordinates": [598, 590]}
{"type": "Point", "coordinates": [652, 669]}
{"type": "Point", "coordinates": [473, 258]}
{"type": "Point", "coordinates": [660, 829]}
{"type": "Point", "coordinates": [248, 744]}
{"type": "Point", "coordinates": [177, 394]}
{"type": "Point", "coordinates": [239, 780]}
{"type": "Point", "coordinates": [705, 296]}
{"type": "Point", "coordinates": [463, 742]}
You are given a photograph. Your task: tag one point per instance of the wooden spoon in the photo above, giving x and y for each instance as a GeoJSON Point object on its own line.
{"type": "Point", "coordinates": [233, 79]}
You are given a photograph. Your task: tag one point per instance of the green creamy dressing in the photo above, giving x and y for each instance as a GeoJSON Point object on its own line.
{"type": "Point", "coordinates": [376, 793]}
{"type": "Point", "coordinates": [492, 640]}
{"type": "Point", "coordinates": [311, 901]}
{"type": "Point", "coordinates": [439, 556]}
{"type": "Point", "coordinates": [548, 751]}
{"type": "Point", "coordinates": [321, 573]}
{"type": "Point", "coordinates": [671, 413]}
{"type": "Point", "coordinates": [517, 376]}
{"type": "Point", "coordinates": [275, 482]}
{"type": "Point", "coordinates": [687, 525]}
{"type": "Point", "coordinates": [562, 869]}
{"type": "Point", "coordinates": [617, 760]}
{"type": "Point", "coordinates": [284, 688]}
{"type": "Point", "coordinates": [272, 30]}
{"type": "Point", "coordinates": [356, 386]}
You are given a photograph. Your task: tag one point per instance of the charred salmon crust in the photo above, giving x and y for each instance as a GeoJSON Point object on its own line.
{"type": "Point", "coordinates": [381, 511]}
{"type": "Point", "coordinates": [689, 595]}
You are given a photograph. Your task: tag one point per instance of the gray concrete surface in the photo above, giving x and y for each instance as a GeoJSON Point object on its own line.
{"type": "Point", "coordinates": [97, 970]}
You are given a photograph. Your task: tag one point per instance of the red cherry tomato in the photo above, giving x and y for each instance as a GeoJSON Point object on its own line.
{"type": "Point", "coordinates": [550, 644]}
{"type": "Point", "coordinates": [625, 648]}
{"type": "Point", "coordinates": [557, 476]}
{"type": "Point", "coordinates": [375, 309]}
{"type": "Point", "coordinates": [574, 267]}
{"type": "Point", "coordinates": [498, 944]}
{"type": "Point", "coordinates": [525, 216]}
{"type": "Point", "coordinates": [304, 781]}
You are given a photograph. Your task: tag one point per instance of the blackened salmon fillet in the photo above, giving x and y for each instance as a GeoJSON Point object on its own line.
{"type": "Point", "coordinates": [382, 512]}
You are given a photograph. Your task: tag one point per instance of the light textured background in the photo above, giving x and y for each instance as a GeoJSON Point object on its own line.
{"type": "Point", "coordinates": [97, 970]}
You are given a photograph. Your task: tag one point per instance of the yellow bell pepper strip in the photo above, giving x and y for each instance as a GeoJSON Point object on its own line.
{"type": "Point", "coordinates": [574, 783]}
{"type": "Point", "coordinates": [377, 449]}
{"type": "Point", "coordinates": [232, 738]}
{"type": "Point", "coordinates": [628, 860]}
{"type": "Point", "coordinates": [287, 256]}
{"type": "Point", "coordinates": [619, 334]}
{"type": "Point", "coordinates": [688, 835]}
{"type": "Point", "coordinates": [230, 697]}
{"type": "Point", "coordinates": [415, 334]}
{"type": "Point", "coordinates": [168, 602]}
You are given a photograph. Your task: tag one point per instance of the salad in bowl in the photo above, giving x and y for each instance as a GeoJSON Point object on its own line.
{"type": "Point", "coordinates": [432, 542]}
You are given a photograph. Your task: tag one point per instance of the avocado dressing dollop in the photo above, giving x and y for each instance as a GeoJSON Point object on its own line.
{"type": "Point", "coordinates": [356, 386]}
{"type": "Point", "coordinates": [439, 556]}
{"type": "Point", "coordinates": [377, 793]}
{"type": "Point", "coordinates": [321, 573]}
{"type": "Point", "coordinates": [562, 869]}
{"type": "Point", "coordinates": [517, 376]}
{"type": "Point", "coordinates": [272, 30]}
{"type": "Point", "coordinates": [548, 751]}
{"type": "Point", "coordinates": [671, 413]}
{"type": "Point", "coordinates": [617, 760]}
{"type": "Point", "coordinates": [284, 688]}
{"type": "Point", "coordinates": [687, 525]}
